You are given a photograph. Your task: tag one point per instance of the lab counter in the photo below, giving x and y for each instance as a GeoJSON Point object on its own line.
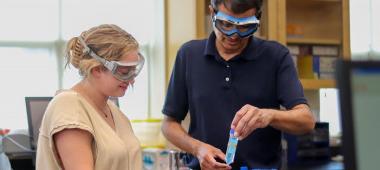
{"type": "Point", "coordinates": [330, 165]}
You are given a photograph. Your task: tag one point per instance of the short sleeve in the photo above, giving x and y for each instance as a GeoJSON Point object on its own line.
{"type": "Point", "coordinates": [176, 101]}
{"type": "Point", "coordinates": [289, 87]}
{"type": "Point", "coordinates": [66, 111]}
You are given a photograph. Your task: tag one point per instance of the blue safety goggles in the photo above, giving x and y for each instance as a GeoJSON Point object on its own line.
{"type": "Point", "coordinates": [230, 25]}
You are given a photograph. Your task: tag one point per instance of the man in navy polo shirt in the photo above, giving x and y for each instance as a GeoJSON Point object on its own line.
{"type": "Point", "coordinates": [233, 80]}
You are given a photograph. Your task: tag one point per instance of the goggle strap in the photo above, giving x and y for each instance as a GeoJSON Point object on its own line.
{"type": "Point", "coordinates": [87, 50]}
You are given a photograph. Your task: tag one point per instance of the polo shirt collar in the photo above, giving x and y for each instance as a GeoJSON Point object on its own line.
{"type": "Point", "coordinates": [249, 52]}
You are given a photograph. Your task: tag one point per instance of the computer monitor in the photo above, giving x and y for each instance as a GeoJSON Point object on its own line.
{"type": "Point", "coordinates": [359, 93]}
{"type": "Point", "coordinates": [35, 109]}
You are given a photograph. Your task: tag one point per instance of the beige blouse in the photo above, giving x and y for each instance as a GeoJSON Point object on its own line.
{"type": "Point", "coordinates": [112, 149]}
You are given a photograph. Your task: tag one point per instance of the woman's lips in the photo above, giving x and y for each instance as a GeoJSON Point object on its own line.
{"type": "Point", "coordinates": [123, 86]}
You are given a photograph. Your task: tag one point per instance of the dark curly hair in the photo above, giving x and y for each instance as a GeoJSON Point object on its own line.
{"type": "Point", "coordinates": [239, 6]}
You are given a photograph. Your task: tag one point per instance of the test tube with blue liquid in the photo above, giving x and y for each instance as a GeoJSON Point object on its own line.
{"type": "Point", "coordinates": [231, 147]}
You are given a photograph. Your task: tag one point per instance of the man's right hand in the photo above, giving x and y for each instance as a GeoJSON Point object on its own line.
{"type": "Point", "coordinates": [207, 156]}
{"type": "Point", "coordinates": [205, 153]}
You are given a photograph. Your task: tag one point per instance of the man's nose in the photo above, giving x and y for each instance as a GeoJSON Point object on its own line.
{"type": "Point", "coordinates": [234, 36]}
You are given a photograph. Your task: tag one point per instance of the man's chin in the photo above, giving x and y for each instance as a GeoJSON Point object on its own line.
{"type": "Point", "coordinates": [230, 47]}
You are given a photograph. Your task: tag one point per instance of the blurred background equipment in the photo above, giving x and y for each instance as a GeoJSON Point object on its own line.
{"type": "Point", "coordinates": [358, 83]}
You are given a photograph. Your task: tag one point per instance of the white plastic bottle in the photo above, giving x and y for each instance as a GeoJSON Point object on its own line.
{"type": "Point", "coordinates": [231, 147]}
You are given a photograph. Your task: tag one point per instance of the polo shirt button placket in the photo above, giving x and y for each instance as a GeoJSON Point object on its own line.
{"type": "Point", "coordinates": [228, 76]}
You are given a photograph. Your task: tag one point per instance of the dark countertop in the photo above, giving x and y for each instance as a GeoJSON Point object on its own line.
{"type": "Point", "coordinates": [331, 165]}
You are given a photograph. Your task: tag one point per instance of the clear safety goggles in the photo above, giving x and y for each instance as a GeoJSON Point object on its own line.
{"type": "Point", "coordinates": [124, 71]}
{"type": "Point", "coordinates": [230, 25]}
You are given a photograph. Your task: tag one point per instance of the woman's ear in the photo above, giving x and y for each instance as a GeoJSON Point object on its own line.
{"type": "Point", "coordinates": [97, 71]}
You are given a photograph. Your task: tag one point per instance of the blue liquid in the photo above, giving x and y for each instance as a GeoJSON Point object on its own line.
{"type": "Point", "coordinates": [231, 147]}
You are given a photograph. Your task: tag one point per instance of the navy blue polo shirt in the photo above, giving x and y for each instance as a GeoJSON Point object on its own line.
{"type": "Point", "coordinates": [212, 90]}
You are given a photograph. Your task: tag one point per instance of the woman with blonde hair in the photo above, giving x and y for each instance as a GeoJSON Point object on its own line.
{"type": "Point", "coordinates": [82, 129]}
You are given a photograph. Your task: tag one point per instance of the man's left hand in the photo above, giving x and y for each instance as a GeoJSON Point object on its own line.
{"type": "Point", "coordinates": [249, 118]}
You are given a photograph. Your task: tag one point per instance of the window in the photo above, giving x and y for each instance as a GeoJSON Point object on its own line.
{"type": "Point", "coordinates": [365, 29]}
{"type": "Point", "coordinates": [29, 21]}
{"type": "Point", "coordinates": [24, 72]}
{"type": "Point", "coordinates": [33, 39]}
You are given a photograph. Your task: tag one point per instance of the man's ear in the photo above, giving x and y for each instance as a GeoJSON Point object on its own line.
{"type": "Point", "coordinates": [211, 10]}
{"type": "Point", "coordinates": [258, 14]}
